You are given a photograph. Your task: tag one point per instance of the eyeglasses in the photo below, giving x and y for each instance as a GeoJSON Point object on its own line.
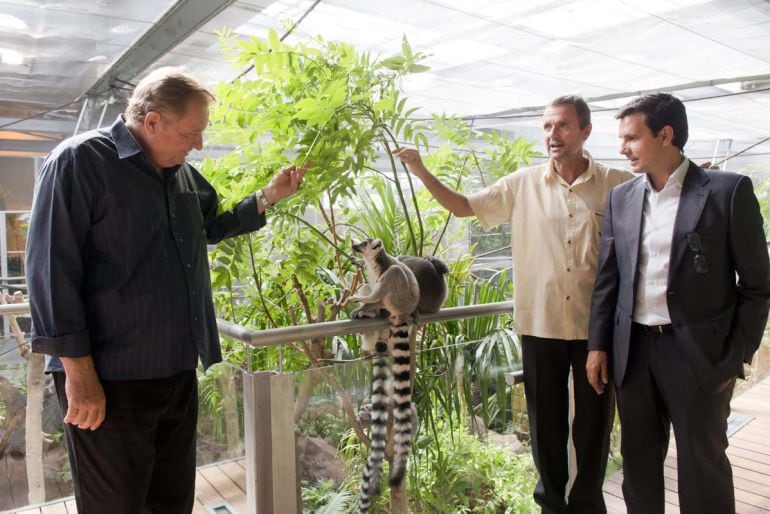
{"type": "Point", "coordinates": [693, 241]}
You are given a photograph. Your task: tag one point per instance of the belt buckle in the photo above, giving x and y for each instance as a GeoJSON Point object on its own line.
{"type": "Point", "coordinates": [658, 328]}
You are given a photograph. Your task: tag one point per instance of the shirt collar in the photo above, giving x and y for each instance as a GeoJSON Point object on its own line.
{"type": "Point", "coordinates": [550, 172]}
{"type": "Point", "coordinates": [127, 145]}
{"type": "Point", "coordinates": [675, 180]}
{"type": "Point", "coordinates": [124, 141]}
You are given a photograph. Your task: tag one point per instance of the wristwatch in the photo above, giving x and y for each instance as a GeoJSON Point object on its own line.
{"type": "Point", "coordinates": [262, 199]}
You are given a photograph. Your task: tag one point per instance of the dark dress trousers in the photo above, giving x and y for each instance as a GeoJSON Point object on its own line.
{"type": "Point", "coordinates": [717, 297]}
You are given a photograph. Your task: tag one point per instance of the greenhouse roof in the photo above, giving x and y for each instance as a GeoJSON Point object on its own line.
{"type": "Point", "coordinates": [496, 62]}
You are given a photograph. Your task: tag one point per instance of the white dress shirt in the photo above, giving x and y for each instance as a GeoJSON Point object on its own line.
{"type": "Point", "coordinates": [658, 217]}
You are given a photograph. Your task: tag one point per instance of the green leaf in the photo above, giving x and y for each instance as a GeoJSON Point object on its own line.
{"type": "Point", "coordinates": [394, 63]}
{"type": "Point", "coordinates": [406, 49]}
{"type": "Point", "coordinates": [273, 40]}
{"type": "Point", "coordinates": [418, 68]}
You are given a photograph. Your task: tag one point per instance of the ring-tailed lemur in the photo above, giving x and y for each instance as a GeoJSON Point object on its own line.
{"type": "Point", "coordinates": [401, 287]}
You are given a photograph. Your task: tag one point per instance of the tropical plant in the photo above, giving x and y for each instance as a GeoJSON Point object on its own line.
{"type": "Point", "coordinates": [343, 111]}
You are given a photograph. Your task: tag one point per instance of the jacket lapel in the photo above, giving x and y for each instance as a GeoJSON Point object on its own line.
{"type": "Point", "coordinates": [691, 203]}
{"type": "Point", "coordinates": [634, 211]}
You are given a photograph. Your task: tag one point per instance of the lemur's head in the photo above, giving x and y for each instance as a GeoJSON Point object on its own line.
{"type": "Point", "coordinates": [368, 247]}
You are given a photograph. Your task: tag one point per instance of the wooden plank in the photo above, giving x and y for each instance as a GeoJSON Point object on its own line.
{"type": "Point", "coordinates": [740, 442]}
{"type": "Point", "coordinates": [205, 493]}
{"type": "Point", "coordinates": [746, 454]}
{"type": "Point", "coordinates": [756, 428]}
{"type": "Point", "coordinates": [54, 508]}
{"type": "Point", "coordinates": [19, 488]}
{"type": "Point", "coordinates": [615, 504]}
{"type": "Point", "coordinates": [226, 488]}
{"type": "Point", "coordinates": [6, 497]}
{"type": "Point", "coordinates": [749, 454]}
{"type": "Point", "coordinates": [746, 492]}
{"type": "Point", "coordinates": [198, 508]}
{"type": "Point", "coordinates": [235, 473]}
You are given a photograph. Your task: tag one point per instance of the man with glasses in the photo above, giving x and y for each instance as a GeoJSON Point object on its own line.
{"type": "Point", "coordinates": [668, 316]}
{"type": "Point", "coordinates": [120, 293]}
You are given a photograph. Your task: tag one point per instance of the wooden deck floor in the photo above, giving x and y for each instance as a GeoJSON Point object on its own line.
{"type": "Point", "coordinates": [749, 452]}
{"type": "Point", "coordinates": [216, 484]}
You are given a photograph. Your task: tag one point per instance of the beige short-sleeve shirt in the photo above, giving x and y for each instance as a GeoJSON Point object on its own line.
{"type": "Point", "coordinates": [555, 231]}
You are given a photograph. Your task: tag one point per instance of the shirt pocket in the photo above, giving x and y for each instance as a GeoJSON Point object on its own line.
{"type": "Point", "coordinates": [597, 220]}
{"type": "Point", "coordinates": [188, 207]}
{"type": "Point", "coordinates": [593, 235]}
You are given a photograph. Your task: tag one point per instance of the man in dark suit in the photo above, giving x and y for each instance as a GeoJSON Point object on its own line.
{"type": "Point", "coordinates": [668, 315]}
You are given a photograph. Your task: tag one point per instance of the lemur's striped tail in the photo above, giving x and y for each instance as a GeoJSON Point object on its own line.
{"type": "Point", "coordinates": [402, 401]}
{"type": "Point", "coordinates": [370, 479]}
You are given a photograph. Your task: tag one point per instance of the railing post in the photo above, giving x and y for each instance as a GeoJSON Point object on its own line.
{"type": "Point", "coordinates": [271, 471]}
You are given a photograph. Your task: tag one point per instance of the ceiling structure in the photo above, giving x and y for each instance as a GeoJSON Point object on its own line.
{"type": "Point", "coordinates": [67, 64]}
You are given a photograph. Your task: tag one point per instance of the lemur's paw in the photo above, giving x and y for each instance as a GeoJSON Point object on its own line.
{"type": "Point", "coordinates": [362, 313]}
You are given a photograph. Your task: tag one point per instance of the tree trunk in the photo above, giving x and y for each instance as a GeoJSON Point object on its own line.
{"type": "Point", "coordinates": [33, 431]}
{"type": "Point", "coordinates": [399, 503]}
{"type": "Point", "coordinates": [230, 408]}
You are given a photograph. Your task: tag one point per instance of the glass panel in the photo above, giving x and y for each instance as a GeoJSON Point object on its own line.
{"type": "Point", "coordinates": [460, 390]}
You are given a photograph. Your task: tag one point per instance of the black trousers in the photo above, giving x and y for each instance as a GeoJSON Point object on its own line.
{"type": "Point", "coordinates": [658, 391]}
{"type": "Point", "coordinates": [547, 363]}
{"type": "Point", "coordinates": [142, 458]}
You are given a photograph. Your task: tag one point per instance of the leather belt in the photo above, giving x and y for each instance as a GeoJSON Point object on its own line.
{"type": "Point", "coordinates": [658, 329]}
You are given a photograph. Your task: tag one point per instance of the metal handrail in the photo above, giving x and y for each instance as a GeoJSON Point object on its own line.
{"type": "Point", "coordinates": [14, 308]}
{"type": "Point", "coordinates": [277, 336]}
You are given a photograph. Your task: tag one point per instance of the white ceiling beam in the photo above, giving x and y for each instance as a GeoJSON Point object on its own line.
{"type": "Point", "coordinates": [179, 22]}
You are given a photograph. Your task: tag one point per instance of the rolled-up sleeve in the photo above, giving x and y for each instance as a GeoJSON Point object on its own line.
{"type": "Point", "coordinates": [58, 227]}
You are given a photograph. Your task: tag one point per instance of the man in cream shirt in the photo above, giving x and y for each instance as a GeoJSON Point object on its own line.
{"type": "Point", "coordinates": [555, 212]}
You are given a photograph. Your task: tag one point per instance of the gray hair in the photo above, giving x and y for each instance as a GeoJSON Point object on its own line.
{"type": "Point", "coordinates": [168, 89]}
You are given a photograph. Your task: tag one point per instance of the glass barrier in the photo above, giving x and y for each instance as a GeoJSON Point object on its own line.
{"type": "Point", "coordinates": [220, 427]}
{"type": "Point", "coordinates": [469, 450]}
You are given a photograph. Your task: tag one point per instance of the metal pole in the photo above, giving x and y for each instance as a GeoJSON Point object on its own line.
{"type": "Point", "coordinates": [81, 116]}
{"type": "Point", "coordinates": [4, 264]}
{"type": "Point", "coordinates": [104, 111]}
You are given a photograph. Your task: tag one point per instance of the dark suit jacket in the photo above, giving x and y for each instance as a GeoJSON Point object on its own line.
{"type": "Point", "coordinates": [718, 320]}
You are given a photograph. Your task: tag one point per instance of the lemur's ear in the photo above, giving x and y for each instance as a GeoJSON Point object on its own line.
{"type": "Point", "coordinates": [376, 243]}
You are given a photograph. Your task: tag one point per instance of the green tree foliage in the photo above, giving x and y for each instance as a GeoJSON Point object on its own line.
{"type": "Point", "coordinates": [344, 112]}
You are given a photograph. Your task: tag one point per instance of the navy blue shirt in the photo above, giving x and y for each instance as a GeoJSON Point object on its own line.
{"type": "Point", "coordinates": [117, 266]}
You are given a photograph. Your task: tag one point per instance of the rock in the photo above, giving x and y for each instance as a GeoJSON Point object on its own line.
{"type": "Point", "coordinates": [478, 428]}
{"type": "Point", "coordinates": [318, 460]}
{"type": "Point", "coordinates": [508, 442]}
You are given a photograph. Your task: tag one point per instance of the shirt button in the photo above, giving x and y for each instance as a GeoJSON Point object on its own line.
{"type": "Point", "coordinates": [568, 298]}
{"type": "Point", "coordinates": [569, 241]}
{"type": "Point", "coordinates": [195, 318]}
{"type": "Point", "coordinates": [189, 265]}
{"type": "Point", "coordinates": [569, 270]}
{"type": "Point", "coordinates": [194, 292]}
{"type": "Point", "coordinates": [570, 190]}
{"type": "Point", "coordinates": [180, 240]}
{"type": "Point", "coordinates": [570, 215]}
